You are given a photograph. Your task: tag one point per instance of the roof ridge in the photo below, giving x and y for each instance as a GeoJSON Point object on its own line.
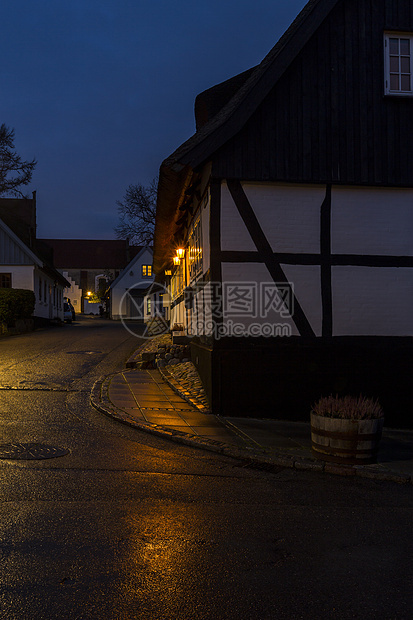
{"type": "Point", "coordinates": [249, 85]}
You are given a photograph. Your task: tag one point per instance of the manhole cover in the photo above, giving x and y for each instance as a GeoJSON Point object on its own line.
{"type": "Point", "coordinates": [30, 451]}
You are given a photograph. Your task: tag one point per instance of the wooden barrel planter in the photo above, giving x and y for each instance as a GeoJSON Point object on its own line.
{"type": "Point", "coordinates": [345, 441]}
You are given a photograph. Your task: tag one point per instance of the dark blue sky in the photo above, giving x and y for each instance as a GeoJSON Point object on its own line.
{"type": "Point", "coordinates": [101, 91]}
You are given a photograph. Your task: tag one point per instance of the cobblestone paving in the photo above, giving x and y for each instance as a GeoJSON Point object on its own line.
{"type": "Point", "coordinates": [182, 377]}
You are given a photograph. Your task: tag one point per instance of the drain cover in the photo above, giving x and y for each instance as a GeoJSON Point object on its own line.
{"type": "Point", "coordinates": [30, 451]}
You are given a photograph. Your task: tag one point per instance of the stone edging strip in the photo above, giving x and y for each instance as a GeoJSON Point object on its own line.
{"type": "Point", "coordinates": [182, 392]}
{"type": "Point", "coordinates": [100, 401]}
{"type": "Point", "coordinates": [168, 375]}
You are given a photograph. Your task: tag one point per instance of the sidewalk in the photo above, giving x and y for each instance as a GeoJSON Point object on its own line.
{"type": "Point", "coordinates": [156, 403]}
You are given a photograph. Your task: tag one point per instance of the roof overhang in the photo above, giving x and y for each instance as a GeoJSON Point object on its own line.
{"type": "Point", "coordinates": [174, 179]}
{"type": "Point", "coordinates": [176, 172]}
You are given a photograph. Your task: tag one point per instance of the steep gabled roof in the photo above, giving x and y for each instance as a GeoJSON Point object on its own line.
{"type": "Point", "coordinates": [15, 238]}
{"type": "Point", "coordinates": [243, 104]}
{"type": "Point", "coordinates": [176, 171]}
{"type": "Point", "coordinates": [33, 253]}
{"type": "Point", "coordinates": [132, 263]}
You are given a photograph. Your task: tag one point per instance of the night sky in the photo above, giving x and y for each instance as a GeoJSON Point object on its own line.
{"type": "Point", "coordinates": [101, 91]}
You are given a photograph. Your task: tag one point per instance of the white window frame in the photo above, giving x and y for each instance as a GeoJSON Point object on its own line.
{"type": "Point", "coordinates": [387, 72]}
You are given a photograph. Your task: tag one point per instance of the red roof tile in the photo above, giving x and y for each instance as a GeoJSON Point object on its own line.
{"type": "Point", "coordinates": [91, 253]}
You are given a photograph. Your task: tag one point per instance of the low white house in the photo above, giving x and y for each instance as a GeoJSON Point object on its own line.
{"type": "Point", "coordinates": [24, 268]}
{"type": "Point", "coordinates": [127, 291]}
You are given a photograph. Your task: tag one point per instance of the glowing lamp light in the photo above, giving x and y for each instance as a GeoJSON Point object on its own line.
{"type": "Point", "coordinates": [89, 293]}
{"type": "Point", "coordinates": [177, 260]}
{"type": "Point", "coordinates": [168, 272]}
{"type": "Point", "coordinates": [180, 252]}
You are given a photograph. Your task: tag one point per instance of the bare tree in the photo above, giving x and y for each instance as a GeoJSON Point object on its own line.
{"type": "Point", "coordinates": [14, 172]}
{"type": "Point", "coordinates": [137, 213]}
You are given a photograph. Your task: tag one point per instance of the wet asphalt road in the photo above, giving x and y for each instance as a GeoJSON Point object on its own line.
{"type": "Point", "coordinates": [129, 526]}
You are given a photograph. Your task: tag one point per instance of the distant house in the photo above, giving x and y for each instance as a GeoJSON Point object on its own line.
{"type": "Point", "coordinates": [25, 262]}
{"type": "Point", "coordinates": [292, 206]}
{"type": "Point", "coordinates": [90, 265]}
{"type": "Point", "coordinates": [128, 290]}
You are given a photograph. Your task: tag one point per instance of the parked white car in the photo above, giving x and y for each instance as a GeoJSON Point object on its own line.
{"type": "Point", "coordinates": [67, 313]}
{"type": "Point", "coordinates": [69, 303]}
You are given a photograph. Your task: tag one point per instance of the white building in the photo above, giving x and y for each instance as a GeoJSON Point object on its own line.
{"type": "Point", "coordinates": [293, 207]}
{"type": "Point", "coordinates": [22, 267]}
{"type": "Point", "coordinates": [128, 290]}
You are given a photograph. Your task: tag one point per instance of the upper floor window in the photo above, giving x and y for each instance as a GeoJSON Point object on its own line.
{"type": "Point", "coordinates": [5, 280]}
{"type": "Point", "coordinates": [177, 281]}
{"type": "Point", "coordinates": [398, 63]}
{"type": "Point", "coordinates": [195, 249]}
{"type": "Point", "coordinates": [146, 271]}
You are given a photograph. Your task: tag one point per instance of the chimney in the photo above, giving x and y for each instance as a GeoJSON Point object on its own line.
{"type": "Point", "coordinates": [34, 212]}
{"type": "Point", "coordinates": [127, 251]}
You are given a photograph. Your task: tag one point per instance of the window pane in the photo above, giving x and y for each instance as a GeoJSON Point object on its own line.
{"type": "Point", "coordinates": [394, 46]}
{"type": "Point", "coordinates": [394, 82]}
{"type": "Point", "coordinates": [394, 64]}
{"type": "Point", "coordinates": [404, 47]}
{"type": "Point", "coordinates": [5, 280]}
{"type": "Point", "coordinates": [405, 83]}
{"type": "Point", "coordinates": [404, 65]}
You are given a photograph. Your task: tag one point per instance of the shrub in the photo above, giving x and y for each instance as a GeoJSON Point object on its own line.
{"type": "Point", "coordinates": [348, 408]}
{"type": "Point", "coordinates": [15, 304]}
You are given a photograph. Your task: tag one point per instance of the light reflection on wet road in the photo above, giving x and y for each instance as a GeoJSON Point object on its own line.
{"type": "Point", "coordinates": [128, 526]}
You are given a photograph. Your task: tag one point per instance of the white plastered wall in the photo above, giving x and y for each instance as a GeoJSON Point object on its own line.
{"type": "Point", "coordinates": [130, 278]}
{"type": "Point", "coordinates": [74, 293]}
{"type": "Point", "coordinates": [364, 221]}
{"type": "Point", "coordinates": [290, 218]}
{"type": "Point", "coordinates": [22, 275]}
{"type": "Point", "coordinates": [374, 301]}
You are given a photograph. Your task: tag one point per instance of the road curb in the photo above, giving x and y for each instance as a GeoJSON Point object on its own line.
{"type": "Point", "coordinates": [104, 405]}
{"type": "Point", "coordinates": [100, 401]}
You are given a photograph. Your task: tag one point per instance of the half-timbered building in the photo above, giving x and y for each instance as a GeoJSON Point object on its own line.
{"type": "Point", "coordinates": [291, 208]}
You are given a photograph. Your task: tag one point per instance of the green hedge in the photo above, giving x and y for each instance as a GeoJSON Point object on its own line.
{"type": "Point", "coordinates": [15, 303]}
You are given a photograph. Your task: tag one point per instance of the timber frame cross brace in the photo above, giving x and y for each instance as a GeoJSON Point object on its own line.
{"type": "Point", "coordinates": [325, 259]}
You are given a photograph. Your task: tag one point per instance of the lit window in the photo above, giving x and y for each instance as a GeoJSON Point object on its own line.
{"type": "Point", "coordinates": [147, 271]}
{"type": "Point", "coordinates": [398, 63]}
{"type": "Point", "coordinates": [5, 280]}
{"type": "Point", "coordinates": [177, 282]}
{"type": "Point", "coordinates": [195, 249]}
